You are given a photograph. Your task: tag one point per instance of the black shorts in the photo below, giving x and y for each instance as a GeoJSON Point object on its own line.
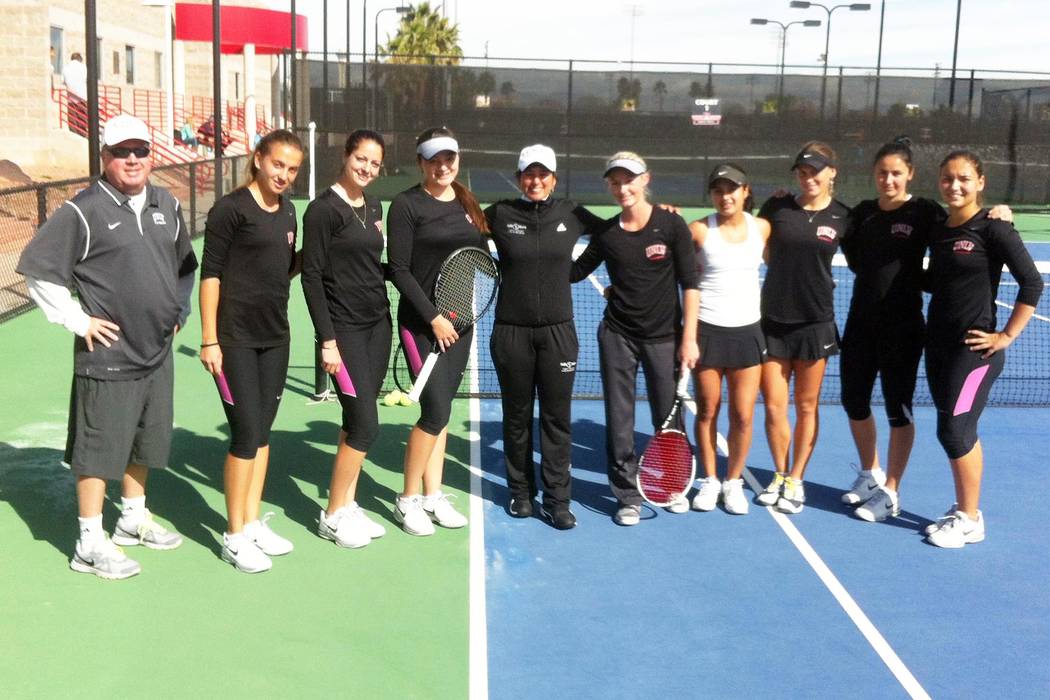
{"type": "Point", "coordinates": [733, 348]}
{"type": "Point", "coordinates": [801, 341]}
{"type": "Point", "coordinates": [116, 423]}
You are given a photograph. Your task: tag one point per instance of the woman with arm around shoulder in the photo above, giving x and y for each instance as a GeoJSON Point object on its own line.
{"type": "Point", "coordinates": [798, 317]}
{"type": "Point", "coordinates": [729, 246]}
{"type": "Point", "coordinates": [249, 259]}
{"type": "Point", "coordinates": [425, 224]}
{"type": "Point", "coordinates": [964, 352]}
{"type": "Point", "coordinates": [345, 288]}
{"type": "Point", "coordinates": [534, 345]}
{"type": "Point", "coordinates": [650, 255]}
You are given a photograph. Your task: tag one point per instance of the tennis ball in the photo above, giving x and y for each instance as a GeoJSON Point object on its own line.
{"type": "Point", "coordinates": [392, 398]}
{"type": "Point", "coordinates": [405, 401]}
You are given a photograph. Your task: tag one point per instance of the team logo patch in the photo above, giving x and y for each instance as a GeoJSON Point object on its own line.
{"type": "Point", "coordinates": [561, 228]}
{"type": "Point", "coordinates": [379, 225]}
{"type": "Point", "coordinates": [657, 251]}
{"type": "Point", "coordinates": [516, 229]}
{"type": "Point", "coordinates": [901, 230]}
{"type": "Point", "coordinates": [158, 219]}
{"type": "Point", "coordinates": [827, 234]}
{"type": "Point", "coordinates": [567, 367]}
{"type": "Point", "coordinates": [469, 219]}
{"type": "Point", "coordinates": [963, 247]}
{"type": "Point", "coordinates": [291, 238]}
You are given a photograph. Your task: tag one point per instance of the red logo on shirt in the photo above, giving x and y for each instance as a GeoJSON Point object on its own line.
{"type": "Point", "coordinates": [827, 234]}
{"type": "Point", "coordinates": [901, 230]}
{"type": "Point", "coordinates": [469, 219]}
{"type": "Point", "coordinates": [379, 225]}
{"type": "Point", "coordinates": [291, 238]}
{"type": "Point", "coordinates": [963, 247]}
{"type": "Point", "coordinates": [657, 251]}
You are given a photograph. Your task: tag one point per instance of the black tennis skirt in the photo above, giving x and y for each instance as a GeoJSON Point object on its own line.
{"type": "Point", "coordinates": [801, 341]}
{"type": "Point", "coordinates": [732, 348]}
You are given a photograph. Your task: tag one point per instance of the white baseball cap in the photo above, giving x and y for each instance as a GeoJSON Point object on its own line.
{"type": "Point", "coordinates": [125, 127]}
{"type": "Point", "coordinates": [539, 154]}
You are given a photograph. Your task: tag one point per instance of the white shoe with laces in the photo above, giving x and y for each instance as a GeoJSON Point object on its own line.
{"type": "Point", "coordinates": [941, 521]}
{"type": "Point", "coordinates": [793, 498]}
{"type": "Point", "coordinates": [343, 528]}
{"type": "Point", "coordinates": [439, 508]}
{"type": "Point", "coordinates": [414, 520]}
{"type": "Point", "coordinates": [958, 531]}
{"type": "Point", "coordinates": [679, 505]}
{"type": "Point", "coordinates": [733, 497]}
{"type": "Point", "coordinates": [865, 486]}
{"type": "Point", "coordinates": [243, 553]}
{"type": "Point", "coordinates": [771, 493]}
{"type": "Point", "coordinates": [271, 544]}
{"type": "Point", "coordinates": [104, 559]}
{"type": "Point", "coordinates": [144, 531]}
{"type": "Point", "coordinates": [884, 504]}
{"type": "Point", "coordinates": [374, 529]}
{"type": "Point", "coordinates": [707, 497]}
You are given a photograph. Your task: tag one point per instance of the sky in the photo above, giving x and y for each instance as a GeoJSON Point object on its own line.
{"type": "Point", "coordinates": [917, 33]}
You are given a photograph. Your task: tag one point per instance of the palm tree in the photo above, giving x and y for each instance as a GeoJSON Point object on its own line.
{"type": "Point", "coordinates": [506, 91]}
{"type": "Point", "coordinates": [424, 39]}
{"type": "Point", "coordinates": [660, 90]}
{"type": "Point", "coordinates": [629, 90]}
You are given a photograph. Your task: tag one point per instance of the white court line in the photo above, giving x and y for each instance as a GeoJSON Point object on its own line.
{"type": "Point", "coordinates": [479, 643]}
{"type": "Point", "coordinates": [513, 185]}
{"type": "Point", "coordinates": [1009, 306]}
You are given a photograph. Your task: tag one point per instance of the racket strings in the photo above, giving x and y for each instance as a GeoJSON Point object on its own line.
{"type": "Point", "coordinates": [466, 287]}
{"type": "Point", "coordinates": [666, 468]}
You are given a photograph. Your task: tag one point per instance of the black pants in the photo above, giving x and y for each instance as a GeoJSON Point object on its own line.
{"type": "Point", "coordinates": [891, 351]}
{"type": "Point", "coordinates": [537, 363]}
{"type": "Point", "coordinates": [960, 381]}
{"type": "Point", "coordinates": [256, 377]}
{"type": "Point", "coordinates": [365, 353]}
{"type": "Point", "coordinates": [619, 357]}
{"type": "Point", "coordinates": [435, 403]}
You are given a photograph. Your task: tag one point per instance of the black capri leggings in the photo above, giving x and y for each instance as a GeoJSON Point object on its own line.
{"type": "Point", "coordinates": [435, 403]}
{"type": "Point", "coordinates": [256, 379]}
{"type": "Point", "coordinates": [365, 353]}
{"type": "Point", "coordinates": [960, 381]}
{"type": "Point", "coordinates": [892, 352]}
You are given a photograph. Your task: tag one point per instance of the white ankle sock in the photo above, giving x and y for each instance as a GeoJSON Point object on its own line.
{"type": "Point", "coordinates": [133, 508]}
{"type": "Point", "coordinates": [91, 529]}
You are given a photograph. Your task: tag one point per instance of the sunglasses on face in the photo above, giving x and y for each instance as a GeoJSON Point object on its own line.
{"type": "Point", "coordinates": [125, 151]}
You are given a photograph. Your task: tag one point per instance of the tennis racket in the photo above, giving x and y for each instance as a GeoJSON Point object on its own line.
{"type": "Point", "coordinates": [667, 467]}
{"type": "Point", "coordinates": [465, 289]}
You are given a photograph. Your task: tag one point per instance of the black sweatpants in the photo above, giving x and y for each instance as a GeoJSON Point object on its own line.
{"type": "Point", "coordinates": [256, 378]}
{"type": "Point", "coordinates": [619, 357]}
{"type": "Point", "coordinates": [537, 362]}
{"type": "Point", "coordinates": [365, 353]}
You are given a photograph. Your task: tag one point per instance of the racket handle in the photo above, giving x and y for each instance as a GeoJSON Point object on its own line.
{"type": "Point", "coordinates": [224, 388]}
{"type": "Point", "coordinates": [423, 376]}
{"type": "Point", "coordinates": [683, 383]}
{"type": "Point", "coordinates": [342, 379]}
{"type": "Point", "coordinates": [597, 285]}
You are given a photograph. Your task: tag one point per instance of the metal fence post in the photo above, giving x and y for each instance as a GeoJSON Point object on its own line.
{"type": "Point", "coordinates": [41, 206]}
{"type": "Point", "coordinates": [193, 198]}
{"type": "Point", "coordinates": [568, 137]}
{"type": "Point", "coordinates": [838, 108]}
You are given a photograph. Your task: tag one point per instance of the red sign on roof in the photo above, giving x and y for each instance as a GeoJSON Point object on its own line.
{"type": "Point", "coordinates": [269, 30]}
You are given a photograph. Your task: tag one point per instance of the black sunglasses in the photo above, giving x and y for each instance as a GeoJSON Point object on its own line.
{"type": "Point", "coordinates": [125, 151]}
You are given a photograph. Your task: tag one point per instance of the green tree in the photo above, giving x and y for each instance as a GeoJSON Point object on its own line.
{"type": "Point", "coordinates": [660, 92]}
{"type": "Point", "coordinates": [696, 90]}
{"type": "Point", "coordinates": [506, 92]}
{"type": "Point", "coordinates": [628, 91]}
{"type": "Point", "coordinates": [485, 84]}
{"type": "Point", "coordinates": [424, 40]}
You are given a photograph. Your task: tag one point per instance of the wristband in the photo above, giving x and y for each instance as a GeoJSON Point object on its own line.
{"type": "Point", "coordinates": [208, 345]}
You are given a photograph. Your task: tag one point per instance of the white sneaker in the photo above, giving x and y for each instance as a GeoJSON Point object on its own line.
{"type": "Point", "coordinates": [104, 559]}
{"type": "Point", "coordinates": [864, 486]}
{"type": "Point", "coordinates": [440, 510]}
{"type": "Point", "coordinates": [679, 505]}
{"type": "Point", "coordinates": [145, 531]}
{"type": "Point", "coordinates": [960, 530]}
{"type": "Point", "coordinates": [941, 521]}
{"type": "Point", "coordinates": [414, 520]}
{"type": "Point", "coordinates": [733, 497]}
{"type": "Point", "coordinates": [244, 554]}
{"type": "Point", "coordinates": [628, 515]}
{"type": "Point", "coordinates": [266, 539]}
{"type": "Point", "coordinates": [793, 499]}
{"type": "Point", "coordinates": [707, 497]}
{"type": "Point", "coordinates": [374, 529]}
{"type": "Point", "coordinates": [343, 528]}
{"type": "Point", "coordinates": [771, 494]}
{"type": "Point", "coordinates": [882, 505]}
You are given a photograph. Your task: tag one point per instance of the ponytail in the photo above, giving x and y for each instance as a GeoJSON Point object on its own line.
{"type": "Point", "coordinates": [469, 202]}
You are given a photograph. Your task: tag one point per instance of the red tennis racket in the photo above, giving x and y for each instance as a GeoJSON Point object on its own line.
{"type": "Point", "coordinates": [667, 468]}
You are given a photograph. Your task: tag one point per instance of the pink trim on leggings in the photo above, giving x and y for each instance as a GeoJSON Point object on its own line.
{"type": "Point", "coordinates": [408, 344]}
{"type": "Point", "coordinates": [969, 390]}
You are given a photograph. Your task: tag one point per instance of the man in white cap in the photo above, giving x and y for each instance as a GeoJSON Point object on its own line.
{"type": "Point", "coordinates": [122, 245]}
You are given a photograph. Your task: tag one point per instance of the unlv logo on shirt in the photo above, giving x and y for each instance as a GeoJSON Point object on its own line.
{"type": "Point", "coordinates": [963, 247]}
{"type": "Point", "coordinates": [827, 234]}
{"type": "Point", "coordinates": [291, 238]}
{"type": "Point", "coordinates": [379, 225]}
{"type": "Point", "coordinates": [657, 251]}
{"type": "Point", "coordinates": [901, 230]}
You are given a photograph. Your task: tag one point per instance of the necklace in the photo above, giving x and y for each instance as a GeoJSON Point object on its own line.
{"type": "Point", "coordinates": [362, 219]}
{"type": "Point", "coordinates": [345, 196]}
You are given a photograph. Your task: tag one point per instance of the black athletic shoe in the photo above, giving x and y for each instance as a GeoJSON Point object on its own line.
{"type": "Point", "coordinates": [559, 518]}
{"type": "Point", "coordinates": [520, 507]}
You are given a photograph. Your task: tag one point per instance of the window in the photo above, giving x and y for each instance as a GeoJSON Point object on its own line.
{"type": "Point", "coordinates": [129, 65]}
{"type": "Point", "coordinates": [116, 63]}
{"type": "Point", "coordinates": [56, 50]}
{"type": "Point", "coordinates": [158, 75]}
{"type": "Point", "coordinates": [236, 86]}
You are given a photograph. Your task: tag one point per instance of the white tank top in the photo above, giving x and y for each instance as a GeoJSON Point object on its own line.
{"type": "Point", "coordinates": [730, 294]}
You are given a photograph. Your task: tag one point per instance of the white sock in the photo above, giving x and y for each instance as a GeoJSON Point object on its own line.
{"type": "Point", "coordinates": [91, 529]}
{"type": "Point", "coordinates": [430, 500]}
{"type": "Point", "coordinates": [133, 509]}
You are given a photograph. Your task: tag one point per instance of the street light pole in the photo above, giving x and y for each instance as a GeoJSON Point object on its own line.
{"type": "Point", "coordinates": [400, 9]}
{"type": "Point", "coordinates": [878, 62]}
{"type": "Point", "coordinates": [955, 56]}
{"type": "Point", "coordinates": [853, 7]}
{"type": "Point", "coordinates": [783, 49]}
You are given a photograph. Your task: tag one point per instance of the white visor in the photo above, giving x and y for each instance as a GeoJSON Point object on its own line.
{"type": "Point", "coordinates": [429, 149]}
{"type": "Point", "coordinates": [628, 164]}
